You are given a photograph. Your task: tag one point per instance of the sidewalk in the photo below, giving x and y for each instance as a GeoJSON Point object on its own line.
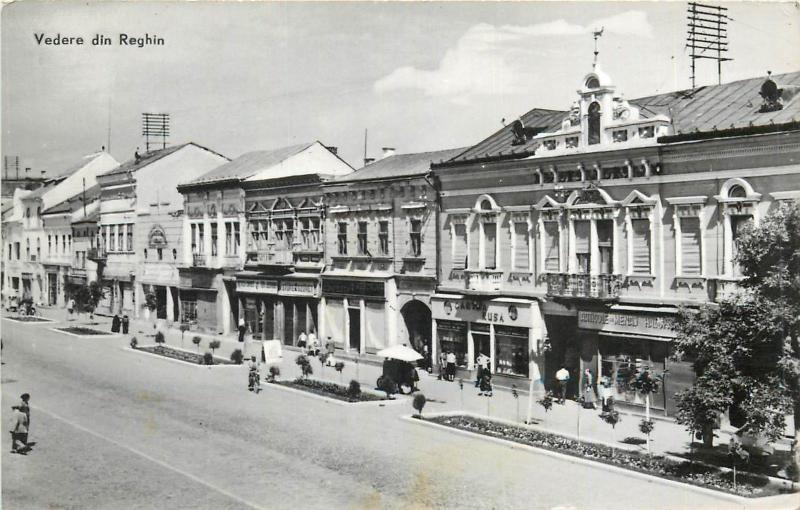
{"type": "Point", "coordinates": [668, 437]}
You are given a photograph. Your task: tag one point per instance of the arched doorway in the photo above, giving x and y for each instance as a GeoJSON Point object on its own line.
{"type": "Point", "coordinates": [417, 317]}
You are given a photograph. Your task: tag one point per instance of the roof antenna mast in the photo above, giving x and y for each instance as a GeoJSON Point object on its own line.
{"type": "Point", "coordinates": [597, 34]}
{"type": "Point", "coordinates": [707, 32]}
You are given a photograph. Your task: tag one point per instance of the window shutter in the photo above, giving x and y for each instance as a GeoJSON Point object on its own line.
{"type": "Point", "coordinates": [460, 247]}
{"type": "Point", "coordinates": [521, 247]}
{"type": "Point", "coordinates": [690, 246]}
{"type": "Point", "coordinates": [641, 246]}
{"type": "Point", "coordinates": [474, 245]}
{"type": "Point", "coordinates": [582, 236]}
{"type": "Point", "coordinates": [551, 247]}
{"type": "Point", "coordinates": [490, 245]}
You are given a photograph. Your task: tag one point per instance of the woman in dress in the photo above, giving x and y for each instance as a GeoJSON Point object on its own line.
{"type": "Point", "coordinates": [589, 396]}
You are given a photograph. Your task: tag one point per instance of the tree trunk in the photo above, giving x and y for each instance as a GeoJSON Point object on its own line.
{"type": "Point", "coordinates": [647, 407]}
{"type": "Point", "coordinates": [708, 436]}
{"type": "Point", "coordinates": [796, 446]}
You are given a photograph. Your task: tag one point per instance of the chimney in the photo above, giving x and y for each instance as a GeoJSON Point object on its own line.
{"type": "Point", "coordinates": [367, 161]}
{"type": "Point", "coordinates": [334, 150]}
{"type": "Point", "coordinates": [27, 171]}
{"type": "Point", "coordinates": [387, 151]}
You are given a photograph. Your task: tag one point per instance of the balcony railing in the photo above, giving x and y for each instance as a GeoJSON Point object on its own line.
{"type": "Point", "coordinates": [198, 259]}
{"type": "Point", "coordinates": [96, 254]}
{"type": "Point", "coordinates": [487, 280]}
{"type": "Point", "coordinates": [601, 286]}
{"type": "Point", "coordinates": [282, 257]}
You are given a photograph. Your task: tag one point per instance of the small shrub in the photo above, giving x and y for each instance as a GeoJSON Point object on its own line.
{"type": "Point", "coordinates": [323, 357]}
{"type": "Point", "coordinates": [196, 341]}
{"type": "Point", "coordinates": [160, 337]}
{"type": "Point", "coordinates": [546, 401]}
{"type": "Point", "coordinates": [354, 389]}
{"type": "Point", "coordinates": [213, 345]}
{"type": "Point", "coordinates": [301, 360]}
{"type": "Point", "coordinates": [134, 343]}
{"type": "Point", "coordinates": [304, 364]}
{"type": "Point", "coordinates": [274, 373]}
{"type": "Point", "coordinates": [419, 403]}
{"type": "Point", "coordinates": [646, 426]}
{"type": "Point", "coordinates": [611, 417]}
{"type": "Point", "coordinates": [237, 356]}
{"type": "Point", "coordinates": [339, 366]}
{"type": "Point", "coordinates": [208, 358]}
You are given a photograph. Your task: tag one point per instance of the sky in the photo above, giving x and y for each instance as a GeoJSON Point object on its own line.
{"type": "Point", "coordinates": [418, 76]}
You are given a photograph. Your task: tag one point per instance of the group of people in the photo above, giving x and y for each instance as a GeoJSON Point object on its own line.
{"type": "Point", "coordinates": [484, 379]}
{"type": "Point", "coordinates": [116, 322]}
{"type": "Point", "coordinates": [309, 343]}
{"type": "Point", "coordinates": [20, 425]}
{"type": "Point", "coordinates": [447, 365]}
{"type": "Point", "coordinates": [588, 396]}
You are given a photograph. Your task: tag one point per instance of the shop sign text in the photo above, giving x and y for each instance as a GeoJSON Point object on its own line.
{"type": "Point", "coordinates": [626, 322]}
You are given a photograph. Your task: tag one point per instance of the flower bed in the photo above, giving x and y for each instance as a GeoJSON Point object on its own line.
{"type": "Point", "coordinates": [693, 473]}
{"type": "Point", "coordinates": [27, 318]}
{"type": "Point", "coordinates": [188, 357]}
{"type": "Point", "coordinates": [329, 389]}
{"type": "Point", "coordinates": [78, 330]}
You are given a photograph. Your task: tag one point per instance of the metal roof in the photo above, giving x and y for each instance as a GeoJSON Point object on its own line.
{"type": "Point", "coordinates": [249, 164]}
{"type": "Point", "coordinates": [705, 109]}
{"type": "Point", "coordinates": [400, 165]}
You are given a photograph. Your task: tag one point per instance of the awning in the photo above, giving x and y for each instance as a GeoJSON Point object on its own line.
{"type": "Point", "coordinates": [632, 335]}
{"type": "Point", "coordinates": [197, 289]}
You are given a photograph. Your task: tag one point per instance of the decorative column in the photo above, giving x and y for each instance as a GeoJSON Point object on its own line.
{"type": "Point", "coordinates": [594, 248]}
{"type": "Point", "coordinates": [207, 238]}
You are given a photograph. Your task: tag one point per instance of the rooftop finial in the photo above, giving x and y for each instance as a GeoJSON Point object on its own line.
{"type": "Point", "coordinates": [596, 34]}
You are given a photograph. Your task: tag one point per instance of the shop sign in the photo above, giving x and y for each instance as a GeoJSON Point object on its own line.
{"type": "Point", "coordinates": [618, 322]}
{"type": "Point", "coordinates": [353, 288]}
{"type": "Point", "coordinates": [257, 286]}
{"type": "Point", "coordinates": [157, 238]}
{"type": "Point", "coordinates": [475, 310]}
{"type": "Point", "coordinates": [298, 288]}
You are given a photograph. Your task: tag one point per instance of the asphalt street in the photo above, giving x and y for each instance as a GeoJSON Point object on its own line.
{"type": "Point", "coordinates": [118, 429]}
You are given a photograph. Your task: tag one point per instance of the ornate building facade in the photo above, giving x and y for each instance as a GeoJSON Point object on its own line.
{"type": "Point", "coordinates": [569, 239]}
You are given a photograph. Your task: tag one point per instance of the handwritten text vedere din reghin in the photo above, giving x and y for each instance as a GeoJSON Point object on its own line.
{"type": "Point", "coordinates": [132, 40]}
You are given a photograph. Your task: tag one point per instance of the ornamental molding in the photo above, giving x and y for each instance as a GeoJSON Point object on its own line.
{"type": "Point", "coordinates": [732, 152]}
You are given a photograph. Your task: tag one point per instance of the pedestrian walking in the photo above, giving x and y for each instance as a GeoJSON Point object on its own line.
{"type": "Point", "coordinates": [242, 329]}
{"type": "Point", "coordinates": [562, 376]}
{"type": "Point", "coordinates": [126, 322]}
{"type": "Point", "coordinates": [302, 340]}
{"type": "Point", "coordinates": [19, 431]}
{"type": "Point", "coordinates": [486, 384]}
{"type": "Point", "coordinates": [426, 358]}
{"type": "Point", "coordinates": [115, 323]}
{"type": "Point", "coordinates": [606, 394]}
{"type": "Point", "coordinates": [483, 367]}
{"type": "Point", "coordinates": [25, 406]}
{"type": "Point", "coordinates": [589, 397]}
{"type": "Point", "coordinates": [253, 377]}
{"type": "Point", "coordinates": [70, 308]}
{"type": "Point", "coordinates": [451, 366]}
{"type": "Point", "coordinates": [312, 339]}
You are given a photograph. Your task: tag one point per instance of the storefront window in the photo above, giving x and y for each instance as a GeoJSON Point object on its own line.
{"type": "Point", "coordinates": [511, 350]}
{"type": "Point", "coordinates": [453, 337]}
{"type": "Point", "coordinates": [188, 306]}
{"type": "Point", "coordinates": [623, 358]}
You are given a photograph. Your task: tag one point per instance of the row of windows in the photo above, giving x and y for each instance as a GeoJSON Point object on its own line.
{"type": "Point", "coordinates": [281, 233]}
{"type": "Point", "coordinates": [52, 244]}
{"type": "Point", "coordinates": [117, 238]}
{"type": "Point", "coordinates": [363, 236]}
{"type": "Point", "coordinates": [231, 233]}
{"type": "Point", "coordinates": [592, 249]}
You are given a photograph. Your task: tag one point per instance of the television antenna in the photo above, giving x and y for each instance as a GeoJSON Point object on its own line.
{"type": "Point", "coordinates": [707, 36]}
{"type": "Point", "coordinates": [155, 125]}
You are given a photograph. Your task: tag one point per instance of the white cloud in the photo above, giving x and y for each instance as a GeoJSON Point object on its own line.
{"type": "Point", "coordinates": [490, 59]}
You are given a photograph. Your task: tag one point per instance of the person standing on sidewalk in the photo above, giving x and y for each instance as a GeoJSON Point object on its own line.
{"type": "Point", "coordinates": [126, 321]}
{"type": "Point", "coordinates": [302, 341]}
{"type": "Point", "coordinates": [70, 308]}
{"type": "Point", "coordinates": [562, 376]}
{"type": "Point", "coordinates": [242, 329]}
{"type": "Point", "coordinates": [451, 366]}
{"type": "Point", "coordinates": [589, 396]}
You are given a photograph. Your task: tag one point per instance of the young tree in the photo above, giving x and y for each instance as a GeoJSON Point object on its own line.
{"type": "Point", "coordinates": [151, 304]}
{"type": "Point", "coordinates": [419, 403]}
{"type": "Point", "coordinates": [213, 345]}
{"type": "Point", "coordinates": [769, 258]}
{"type": "Point", "coordinates": [86, 297]}
{"type": "Point", "coordinates": [196, 341]}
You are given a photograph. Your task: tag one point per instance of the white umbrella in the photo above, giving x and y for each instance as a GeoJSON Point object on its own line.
{"type": "Point", "coordinates": [400, 352]}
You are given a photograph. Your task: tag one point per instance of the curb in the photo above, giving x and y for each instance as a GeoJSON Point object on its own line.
{"type": "Point", "coordinates": [591, 463]}
{"type": "Point", "coordinates": [173, 360]}
{"type": "Point", "coordinates": [42, 320]}
{"type": "Point", "coordinates": [331, 400]}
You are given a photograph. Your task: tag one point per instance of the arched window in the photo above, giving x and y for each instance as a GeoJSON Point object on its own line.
{"type": "Point", "coordinates": [593, 83]}
{"type": "Point", "coordinates": [594, 123]}
{"type": "Point", "coordinates": [737, 191]}
{"type": "Point", "coordinates": [486, 205]}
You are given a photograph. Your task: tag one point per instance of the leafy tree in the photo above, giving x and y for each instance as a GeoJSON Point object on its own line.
{"type": "Point", "coordinates": [160, 338]}
{"type": "Point", "coordinates": [745, 351]}
{"type": "Point", "coordinates": [274, 373]}
{"type": "Point", "coordinates": [151, 302]}
{"type": "Point", "coordinates": [769, 259]}
{"type": "Point", "coordinates": [196, 341]}
{"type": "Point", "coordinates": [237, 356]}
{"type": "Point", "coordinates": [86, 297]}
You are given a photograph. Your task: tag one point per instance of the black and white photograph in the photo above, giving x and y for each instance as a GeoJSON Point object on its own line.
{"type": "Point", "coordinates": [268, 255]}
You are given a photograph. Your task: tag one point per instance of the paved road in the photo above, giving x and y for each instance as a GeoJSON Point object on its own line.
{"type": "Point", "coordinates": [118, 429]}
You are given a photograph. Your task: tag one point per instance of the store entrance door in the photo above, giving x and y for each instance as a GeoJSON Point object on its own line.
{"type": "Point", "coordinates": [52, 284]}
{"type": "Point", "coordinates": [480, 344]}
{"type": "Point", "coordinates": [354, 315]}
